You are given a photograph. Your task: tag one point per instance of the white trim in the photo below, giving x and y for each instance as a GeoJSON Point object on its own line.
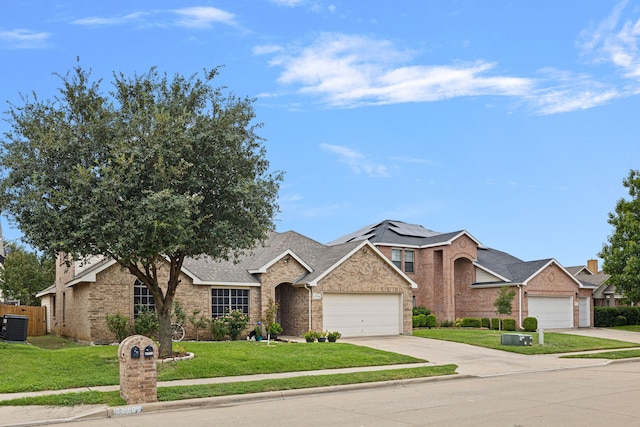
{"type": "Point", "coordinates": [552, 262]}
{"type": "Point", "coordinates": [90, 276]}
{"type": "Point", "coordinates": [288, 252]}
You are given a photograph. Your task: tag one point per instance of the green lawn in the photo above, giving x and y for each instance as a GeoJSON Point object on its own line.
{"type": "Point", "coordinates": [166, 394]}
{"type": "Point", "coordinates": [554, 342]}
{"type": "Point", "coordinates": [30, 368]}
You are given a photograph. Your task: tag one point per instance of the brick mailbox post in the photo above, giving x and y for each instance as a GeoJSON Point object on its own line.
{"type": "Point", "coordinates": [138, 374]}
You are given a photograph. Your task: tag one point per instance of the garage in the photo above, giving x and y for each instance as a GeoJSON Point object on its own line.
{"type": "Point", "coordinates": [552, 312]}
{"type": "Point", "coordinates": [360, 315]}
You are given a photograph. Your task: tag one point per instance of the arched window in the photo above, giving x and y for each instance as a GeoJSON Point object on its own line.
{"type": "Point", "coordinates": [142, 298]}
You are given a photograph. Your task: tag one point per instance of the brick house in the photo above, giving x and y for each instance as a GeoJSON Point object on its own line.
{"type": "Point", "coordinates": [458, 277]}
{"type": "Point", "coordinates": [350, 287]}
{"type": "Point", "coordinates": [604, 295]}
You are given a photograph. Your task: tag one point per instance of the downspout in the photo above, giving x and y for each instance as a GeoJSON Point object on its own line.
{"type": "Point", "coordinates": [306, 286]}
{"type": "Point", "coordinates": [520, 306]}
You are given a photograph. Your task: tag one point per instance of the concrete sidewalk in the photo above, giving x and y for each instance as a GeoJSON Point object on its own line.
{"type": "Point", "coordinates": [471, 361]}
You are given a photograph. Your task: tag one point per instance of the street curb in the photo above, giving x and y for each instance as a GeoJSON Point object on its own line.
{"type": "Point", "coordinates": [219, 401]}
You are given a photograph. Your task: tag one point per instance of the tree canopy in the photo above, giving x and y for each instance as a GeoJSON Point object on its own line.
{"type": "Point", "coordinates": [25, 274]}
{"type": "Point", "coordinates": [153, 171]}
{"type": "Point", "coordinates": [621, 255]}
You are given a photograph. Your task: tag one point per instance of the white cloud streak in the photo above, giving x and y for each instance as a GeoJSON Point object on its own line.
{"type": "Point", "coordinates": [23, 39]}
{"type": "Point", "coordinates": [353, 70]}
{"type": "Point", "coordinates": [190, 17]}
{"type": "Point", "coordinates": [357, 161]}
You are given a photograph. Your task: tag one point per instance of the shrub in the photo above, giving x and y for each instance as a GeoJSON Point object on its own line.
{"type": "Point", "coordinates": [415, 321]}
{"type": "Point", "coordinates": [218, 329]}
{"type": "Point", "coordinates": [236, 322]}
{"type": "Point", "coordinates": [276, 329]}
{"type": "Point", "coordinates": [118, 325]}
{"type": "Point", "coordinates": [421, 310]}
{"type": "Point", "coordinates": [146, 323]}
{"type": "Point", "coordinates": [495, 323]}
{"type": "Point", "coordinates": [431, 321]}
{"type": "Point", "coordinates": [486, 323]}
{"type": "Point", "coordinates": [446, 323]}
{"type": "Point", "coordinates": [458, 323]}
{"type": "Point", "coordinates": [621, 321]}
{"type": "Point", "coordinates": [604, 317]}
{"type": "Point", "coordinates": [423, 320]}
{"type": "Point", "coordinates": [471, 322]}
{"type": "Point", "coordinates": [509, 324]}
{"type": "Point", "coordinates": [530, 324]}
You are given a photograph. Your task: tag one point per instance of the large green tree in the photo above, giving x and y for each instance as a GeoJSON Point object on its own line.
{"type": "Point", "coordinates": [25, 274]}
{"type": "Point", "coordinates": [621, 255]}
{"type": "Point", "coordinates": [155, 170]}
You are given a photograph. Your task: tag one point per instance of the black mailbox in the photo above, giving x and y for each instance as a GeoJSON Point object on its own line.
{"type": "Point", "coordinates": [148, 351]}
{"type": "Point", "coordinates": [135, 352]}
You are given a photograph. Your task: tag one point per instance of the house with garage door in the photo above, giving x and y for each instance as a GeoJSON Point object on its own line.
{"type": "Point", "coordinates": [458, 277]}
{"type": "Point", "coordinates": [351, 287]}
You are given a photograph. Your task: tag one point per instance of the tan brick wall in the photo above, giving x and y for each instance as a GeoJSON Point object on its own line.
{"type": "Point", "coordinates": [364, 272]}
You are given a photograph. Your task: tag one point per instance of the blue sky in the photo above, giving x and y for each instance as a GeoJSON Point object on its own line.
{"type": "Point", "coordinates": [513, 120]}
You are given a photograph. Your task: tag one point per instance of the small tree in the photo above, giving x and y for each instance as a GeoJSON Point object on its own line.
{"type": "Point", "coordinates": [25, 274]}
{"type": "Point", "coordinates": [621, 255]}
{"type": "Point", "coordinates": [270, 316]}
{"type": "Point", "coordinates": [199, 321]}
{"type": "Point", "coordinates": [503, 302]}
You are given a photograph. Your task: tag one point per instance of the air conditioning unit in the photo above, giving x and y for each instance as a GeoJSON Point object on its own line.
{"type": "Point", "coordinates": [516, 339]}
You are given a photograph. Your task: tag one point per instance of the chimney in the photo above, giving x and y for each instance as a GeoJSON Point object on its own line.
{"type": "Point", "coordinates": [592, 265]}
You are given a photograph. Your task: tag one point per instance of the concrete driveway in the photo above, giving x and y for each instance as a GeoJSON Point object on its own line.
{"type": "Point", "coordinates": [485, 362]}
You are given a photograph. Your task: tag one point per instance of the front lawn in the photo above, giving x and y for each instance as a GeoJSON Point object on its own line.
{"type": "Point", "coordinates": [29, 368]}
{"type": "Point", "coordinates": [554, 342]}
{"type": "Point", "coordinates": [167, 394]}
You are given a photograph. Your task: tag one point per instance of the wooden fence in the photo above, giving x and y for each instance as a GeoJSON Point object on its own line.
{"type": "Point", "coordinates": [37, 324]}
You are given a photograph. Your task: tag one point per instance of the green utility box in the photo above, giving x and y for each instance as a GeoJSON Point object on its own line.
{"type": "Point", "coordinates": [516, 339]}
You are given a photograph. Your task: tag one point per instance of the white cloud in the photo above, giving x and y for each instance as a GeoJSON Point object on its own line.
{"type": "Point", "coordinates": [204, 17]}
{"type": "Point", "coordinates": [267, 49]}
{"type": "Point", "coordinates": [565, 92]}
{"type": "Point", "coordinates": [117, 20]}
{"type": "Point", "coordinates": [357, 161]}
{"type": "Point", "coordinates": [23, 39]}
{"type": "Point", "coordinates": [352, 70]}
{"type": "Point", "coordinates": [615, 42]}
{"type": "Point", "coordinates": [190, 17]}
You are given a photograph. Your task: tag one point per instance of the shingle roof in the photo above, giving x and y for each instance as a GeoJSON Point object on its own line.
{"type": "Point", "coordinates": [390, 232]}
{"type": "Point", "coordinates": [511, 268]}
{"type": "Point", "coordinates": [316, 256]}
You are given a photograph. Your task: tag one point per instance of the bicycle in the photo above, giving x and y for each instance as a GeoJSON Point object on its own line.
{"type": "Point", "coordinates": [177, 332]}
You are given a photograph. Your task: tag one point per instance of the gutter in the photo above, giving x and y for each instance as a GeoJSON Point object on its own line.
{"type": "Point", "coordinates": [520, 306]}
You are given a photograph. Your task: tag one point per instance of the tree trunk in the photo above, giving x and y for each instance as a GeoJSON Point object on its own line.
{"type": "Point", "coordinates": [164, 330]}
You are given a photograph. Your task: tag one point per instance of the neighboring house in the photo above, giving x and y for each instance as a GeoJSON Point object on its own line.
{"type": "Point", "coordinates": [458, 277]}
{"type": "Point", "coordinates": [604, 295]}
{"type": "Point", "coordinates": [352, 288]}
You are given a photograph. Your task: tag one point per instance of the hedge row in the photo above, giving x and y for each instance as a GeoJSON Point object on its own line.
{"type": "Point", "coordinates": [529, 324]}
{"type": "Point", "coordinates": [604, 317]}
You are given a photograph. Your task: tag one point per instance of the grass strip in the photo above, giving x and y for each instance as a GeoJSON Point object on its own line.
{"type": "Point", "coordinates": [611, 355]}
{"type": "Point", "coordinates": [554, 342]}
{"type": "Point", "coordinates": [168, 394]}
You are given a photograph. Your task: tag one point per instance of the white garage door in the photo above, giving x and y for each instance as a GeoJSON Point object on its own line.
{"type": "Point", "coordinates": [584, 318]}
{"type": "Point", "coordinates": [552, 312]}
{"type": "Point", "coordinates": [359, 315]}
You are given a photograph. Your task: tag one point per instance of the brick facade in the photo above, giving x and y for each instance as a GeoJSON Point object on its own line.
{"type": "Point", "coordinates": [83, 307]}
